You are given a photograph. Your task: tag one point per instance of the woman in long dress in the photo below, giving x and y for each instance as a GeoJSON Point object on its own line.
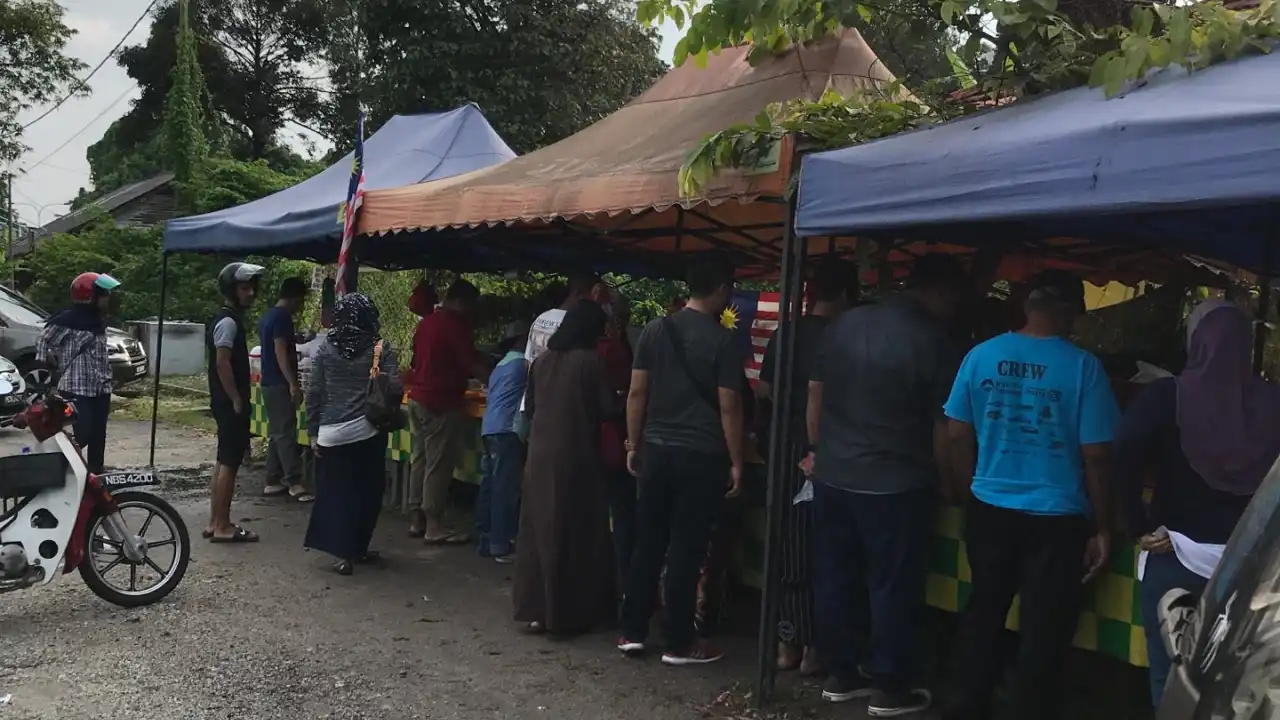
{"type": "Point", "coordinates": [349, 450]}
{"type": "Point", "coordinates": [564, 582]}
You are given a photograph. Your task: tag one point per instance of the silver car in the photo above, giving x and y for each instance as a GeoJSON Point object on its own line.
{"type": "Point", "coordinates": [22, 321]}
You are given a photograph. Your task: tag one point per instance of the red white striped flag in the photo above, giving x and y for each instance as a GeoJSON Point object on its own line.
{"type": "Point", "coordinates": [753, 316]}
{"type": "Point", "coordinates": [355, 197]}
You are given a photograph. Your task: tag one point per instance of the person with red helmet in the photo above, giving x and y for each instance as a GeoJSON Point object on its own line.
{"type": "Point", "coordinates": [74, 342]}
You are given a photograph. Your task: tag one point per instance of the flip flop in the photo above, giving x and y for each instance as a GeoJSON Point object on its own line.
{"type": "Point", "coordinates": [453, 538]}
{"type": "Point", "coordinates": [206, 534]}
{"type": "Point", "coordinates": [302, 497]}
{"type": "Point", "coordinates": [274, 490]}
{"type": "Point", "coordinates": [240, 536]}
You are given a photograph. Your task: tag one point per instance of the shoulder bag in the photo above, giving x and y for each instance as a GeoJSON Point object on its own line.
{"type": "Point", "coordinates": [381, 406]}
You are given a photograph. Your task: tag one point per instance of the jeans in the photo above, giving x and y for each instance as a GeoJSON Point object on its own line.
{"type": "Point", "coordinates": [621, 489]}
{"type": "Point", "coordinates": [1040, 558]}
{"type": "Point", "coordinates": [284, 460]}
{"type": "Point", "coordinates": [873, 544]}
{"type": "Point", "coordinates": [90, 428]}
{"type": "Point", "coordinates": [498, 504]}
{"type": "Point", "coordinates": [1164, 573]}
{"type": "Point", "coordinates": [681, 493]}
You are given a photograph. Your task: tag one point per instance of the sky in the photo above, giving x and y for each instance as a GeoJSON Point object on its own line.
{"type": "Point", "coordinates": [54, 169]}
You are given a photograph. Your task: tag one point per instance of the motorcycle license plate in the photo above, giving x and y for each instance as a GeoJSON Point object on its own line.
{"type": "Point", "coordinates": [13, 399]}
{"type": "Point", "coordinates": [122, 480]}
{"type": "Point", "coordinates": [140, 370]}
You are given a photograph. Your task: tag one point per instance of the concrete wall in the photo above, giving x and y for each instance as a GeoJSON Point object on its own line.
{"type": "Point", "coordinates": [183, 346]}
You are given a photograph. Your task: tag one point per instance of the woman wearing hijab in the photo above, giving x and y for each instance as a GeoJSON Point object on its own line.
{"type": "Point", "coordinates": [564, 581]}
{"type": "Point", "coordinates": [346, 445]}
{"type": "Point", "coordinates": [1211, 435]}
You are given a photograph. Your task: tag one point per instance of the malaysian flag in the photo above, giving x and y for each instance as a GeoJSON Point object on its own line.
{"type": "Point", "coordinates": [752, 315]}
{"type": "Point", "coordinates": [355, 197]}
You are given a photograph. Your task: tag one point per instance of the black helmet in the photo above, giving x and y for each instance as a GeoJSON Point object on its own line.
{"type": "Point", "coordinates": [235, 273]}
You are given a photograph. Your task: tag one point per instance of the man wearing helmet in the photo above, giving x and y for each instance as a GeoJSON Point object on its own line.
{"type": "Point", "coordinates": [227, 350]}
{"type": "Point", "coordinates": [75, 343]}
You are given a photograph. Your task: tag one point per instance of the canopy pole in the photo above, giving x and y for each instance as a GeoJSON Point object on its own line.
{"type": "Point", "coordinates": [1264, 296]}
{"type": "Point", "coordinates": [155, 368]}
{"type": "Point", "coordinates": [783, 449]}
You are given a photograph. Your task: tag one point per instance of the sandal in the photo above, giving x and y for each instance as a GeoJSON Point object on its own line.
{"type": "Point", "coordinates": [302, 497]}
{"type": "Point", "coordinates": [449, 538]}
{"type": "Point", "coordinates": [274, 490]}
{"type": "Point", "coordinates": [239, 536]}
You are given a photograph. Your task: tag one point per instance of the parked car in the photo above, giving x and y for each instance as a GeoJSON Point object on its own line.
{"type": "Point", "coordinates": [22, 321]}
{"type": "Point", "coordinates": [13, 392]}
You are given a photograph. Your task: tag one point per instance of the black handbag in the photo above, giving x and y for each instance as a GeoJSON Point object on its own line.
{"type": "Point", "coordinates": [382, 403]}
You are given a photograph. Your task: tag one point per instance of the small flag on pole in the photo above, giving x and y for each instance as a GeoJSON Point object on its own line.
{"type": "Point", "coordinates": [355, 197]}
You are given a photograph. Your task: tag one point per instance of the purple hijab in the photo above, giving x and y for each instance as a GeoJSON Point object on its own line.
{"type": "Point", "coordinates": [1228, 417]}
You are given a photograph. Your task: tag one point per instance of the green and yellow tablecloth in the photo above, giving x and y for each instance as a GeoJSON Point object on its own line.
{"type": "Point", "coordinates": [1111, 623]}
{"type": "Point", "coordinates": [399, 445]}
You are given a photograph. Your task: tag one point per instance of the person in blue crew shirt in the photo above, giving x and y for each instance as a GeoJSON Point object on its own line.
{"type": "Point", "coordinates": [1041, 415]}
{"type": "Point", "coordinates": [498, 505]}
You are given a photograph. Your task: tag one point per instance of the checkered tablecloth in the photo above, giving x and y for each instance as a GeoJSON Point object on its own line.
{"type": "Point", "coordinates": [399, 445]}
{"type": "Point", "coordinates": [1111, 623]}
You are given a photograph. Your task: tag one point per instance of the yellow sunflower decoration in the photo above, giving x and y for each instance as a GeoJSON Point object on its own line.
{"type": "Point", "coordinates": [729, 318]}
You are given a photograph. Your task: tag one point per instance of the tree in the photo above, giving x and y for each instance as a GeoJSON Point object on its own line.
{"type": "Point", "coordinates": [1010, 49]}
{"type": "Point", "coordinates": [249, 54]}
{"type": "Point", "coordinates": [34, 68]}
{"type": "Point", "coordinates": [539, 69]}
{"type": "Point", "coordinates": [185, 145]}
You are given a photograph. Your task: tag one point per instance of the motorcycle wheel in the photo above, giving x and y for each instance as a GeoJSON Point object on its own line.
{"type": "Point", "coordinates": [96, 540]}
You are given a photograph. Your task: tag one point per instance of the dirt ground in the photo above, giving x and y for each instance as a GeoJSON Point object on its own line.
{"type": "Point", "coordinates": [264, 631]}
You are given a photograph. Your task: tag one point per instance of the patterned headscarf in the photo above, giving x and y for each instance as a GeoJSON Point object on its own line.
{"type": "Point", "coordinates": [355, 325]}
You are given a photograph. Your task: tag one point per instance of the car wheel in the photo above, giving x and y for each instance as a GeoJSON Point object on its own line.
{"type": "Point", "coordinates": [37, 378]}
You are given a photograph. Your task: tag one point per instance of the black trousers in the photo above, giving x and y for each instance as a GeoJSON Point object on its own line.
{"type": "Point", "coordinates": [90, 428]}
{"type": "Point", "coordinates": [621, 488]}
{"type": "Point", "coordinates": [1040, 558]}
{"type": "Point", "coordinates": [681, 493]}
{"type": "Point", "coordinates": [869, 558]}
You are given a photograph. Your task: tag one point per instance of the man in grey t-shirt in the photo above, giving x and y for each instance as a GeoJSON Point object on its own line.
{"type": "Point", "coordinates": [684, 443]}
{"type": "Point", "coordinates": [876, 393]}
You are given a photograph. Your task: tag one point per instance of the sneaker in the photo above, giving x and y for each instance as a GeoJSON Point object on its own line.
{"type": "Point", "coordinates": [509, 559]}
{"type": "Point", "coordinates": [701, 653]}
{"type": "Point", "coordinates": [885, 704]}
{"type": "Point", "coordinates": [836, 690]}
{"type": "Point", "coordinates": [630, 647]}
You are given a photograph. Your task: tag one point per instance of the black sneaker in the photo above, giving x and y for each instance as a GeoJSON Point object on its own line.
{"type": "Point", "coordinates": [837, 690]}
{"type": "Point", "coordinates": [886, 704]}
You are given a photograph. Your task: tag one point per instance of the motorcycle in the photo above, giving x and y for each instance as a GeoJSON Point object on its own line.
{"type": "Point", "coordinates": [56, 515]}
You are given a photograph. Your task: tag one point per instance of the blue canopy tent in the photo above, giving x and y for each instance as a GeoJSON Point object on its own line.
{"type": "Point", "coordinates": [1189, 163]}
{"type": "Point", "coordinates": [303, 221]}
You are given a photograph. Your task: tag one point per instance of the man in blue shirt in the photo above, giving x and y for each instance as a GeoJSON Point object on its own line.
{"type": "Point", "coordinates": [281, 391]}
{"type": "Point", "coordinates": [1041, 414]}
{"type": "Point", "coordinates": [498, 504]}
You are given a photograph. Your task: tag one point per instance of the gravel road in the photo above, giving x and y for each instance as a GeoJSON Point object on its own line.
{"type": "Point", "coordinates": [264, 631]}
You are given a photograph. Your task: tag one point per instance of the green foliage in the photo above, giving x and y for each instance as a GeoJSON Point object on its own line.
{"type": "Point", "coordinates": [227, 183]}
{"type": "Point", "coordinates": [185, 145]}
{"type": "Point", "coordinates": [832, 121]}
{"type": "Point", "coordinates": [540, 69]}
{"type": "Point", "coordinates": [1010, 49]}
{"type": "Point", "coordinates": [34, 67]}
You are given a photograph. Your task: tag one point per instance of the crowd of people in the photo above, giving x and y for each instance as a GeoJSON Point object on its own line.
{"type": "Point", "coordinates": [609, 464]}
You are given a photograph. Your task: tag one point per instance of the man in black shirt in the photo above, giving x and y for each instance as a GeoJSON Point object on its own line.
{"type": "Point", "coordinates": [684, 443]}
{"type": "Point", "coordinates": [875, 416]}
{"type": "Point", "coordinates": [227, 349]}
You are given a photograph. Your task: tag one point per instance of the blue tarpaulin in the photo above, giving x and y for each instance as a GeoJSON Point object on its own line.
{"type": "Point", "coordinates": [304, 220]}
{"type": "Point", "coordinates": [1187, 162]}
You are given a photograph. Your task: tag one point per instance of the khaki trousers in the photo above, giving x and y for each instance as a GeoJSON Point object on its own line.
{"type": "Point", "coordinates": [434, 456]}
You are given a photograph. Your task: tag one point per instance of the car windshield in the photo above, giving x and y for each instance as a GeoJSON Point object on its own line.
{"type": "Point", "coordinates": [19, 310]}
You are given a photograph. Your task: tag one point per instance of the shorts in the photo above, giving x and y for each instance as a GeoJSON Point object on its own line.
{"type": "Point", "coordinates": [233, 437]}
